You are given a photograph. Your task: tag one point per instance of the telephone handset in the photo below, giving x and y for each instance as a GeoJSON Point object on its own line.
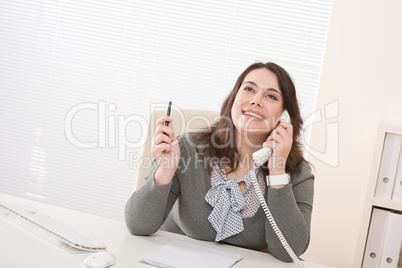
{"type": "Point", "coordinates": [263, 155]}
{"type": "Point", "coordinates": [260, 157]}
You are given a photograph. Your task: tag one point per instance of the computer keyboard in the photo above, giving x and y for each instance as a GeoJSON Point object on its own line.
{"type": "Point", "coordinates": [49, 228]}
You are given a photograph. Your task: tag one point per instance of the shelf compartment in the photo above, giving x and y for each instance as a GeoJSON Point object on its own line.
{"type": "Point", "coordinates": [387, 203]}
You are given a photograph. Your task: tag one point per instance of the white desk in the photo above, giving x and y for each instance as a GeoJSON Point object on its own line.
{"type": "Point", "coordinates": [21, 248]}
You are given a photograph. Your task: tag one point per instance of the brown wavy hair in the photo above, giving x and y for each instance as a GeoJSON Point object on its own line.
{"type": "Point", "coordinates": [222, 132]}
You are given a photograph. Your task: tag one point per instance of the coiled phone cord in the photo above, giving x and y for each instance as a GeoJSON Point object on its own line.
{"type": "Point", "coordinates": [272, 222]}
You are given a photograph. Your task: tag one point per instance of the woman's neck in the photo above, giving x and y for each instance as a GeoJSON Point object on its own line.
{"type": "Point", "coordinates": [247, 145]}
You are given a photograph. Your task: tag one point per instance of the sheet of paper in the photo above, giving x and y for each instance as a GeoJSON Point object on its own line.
{"type": "Point", "coordinates": [178, 254]}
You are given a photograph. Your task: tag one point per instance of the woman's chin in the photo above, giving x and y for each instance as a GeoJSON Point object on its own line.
{"type": "Point", "coordinates": [253, 127]}
{"type": "Point", "coordinates": [254, 131]}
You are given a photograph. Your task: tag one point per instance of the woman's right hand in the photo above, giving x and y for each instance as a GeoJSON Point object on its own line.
{"type": "Point", "coordinates": [165, 150]}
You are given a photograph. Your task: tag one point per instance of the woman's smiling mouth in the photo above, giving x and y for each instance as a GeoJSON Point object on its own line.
{"type": "Point", "coordinates": [253, 114]}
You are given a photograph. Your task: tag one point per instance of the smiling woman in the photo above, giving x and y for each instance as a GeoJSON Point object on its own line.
{"type": "Point", "coordinates": [211, 172]}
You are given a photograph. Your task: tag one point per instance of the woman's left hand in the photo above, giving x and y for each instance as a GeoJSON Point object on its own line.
{"type": "Point", "coordinates": [280, 141]}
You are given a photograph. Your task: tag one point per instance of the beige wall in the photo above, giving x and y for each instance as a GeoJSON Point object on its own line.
{"type": "Point", "coordinates": [363, 71]}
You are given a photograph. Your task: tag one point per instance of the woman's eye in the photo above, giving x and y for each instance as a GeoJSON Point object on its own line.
{"type": "Point", "coordinates": [272, 97]}
{"type": "Point", "coordinates": [248, 89]}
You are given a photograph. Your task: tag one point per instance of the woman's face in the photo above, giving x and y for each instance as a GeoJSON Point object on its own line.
{"type": "Point", "coordinates": [258, 103]}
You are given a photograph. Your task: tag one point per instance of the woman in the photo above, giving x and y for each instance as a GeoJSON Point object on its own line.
{"type": "Point", "coordinates": [200, 182]}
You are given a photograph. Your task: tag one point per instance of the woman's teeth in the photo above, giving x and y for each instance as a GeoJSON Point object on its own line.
{"type": "Point", "coordinates": [255, 115]}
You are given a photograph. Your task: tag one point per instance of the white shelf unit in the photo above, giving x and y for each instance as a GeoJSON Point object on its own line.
{"type": "Point", "coordinates": [390, 126]}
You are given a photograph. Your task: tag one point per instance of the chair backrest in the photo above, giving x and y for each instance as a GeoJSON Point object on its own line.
{"type": "Point", "coordinates": [184, 121]}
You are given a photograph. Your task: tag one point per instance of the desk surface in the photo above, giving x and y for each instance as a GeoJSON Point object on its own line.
{"type": "Point", "coordinates": [21, 248]}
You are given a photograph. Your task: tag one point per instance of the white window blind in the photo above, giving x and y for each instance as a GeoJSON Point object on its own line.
{"type": "Point", "coordinates": [79, 78]}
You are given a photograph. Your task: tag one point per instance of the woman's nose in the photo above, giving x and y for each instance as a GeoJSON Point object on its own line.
{"type": "Point", "coordinates": [257, 100]}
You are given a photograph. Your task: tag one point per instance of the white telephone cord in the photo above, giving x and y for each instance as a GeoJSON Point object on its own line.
{"type": "Point", "coordinates": [271, 220]}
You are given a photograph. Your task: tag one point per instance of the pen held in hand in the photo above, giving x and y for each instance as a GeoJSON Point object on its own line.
{"type": "Point", "coordinates": [168, 113]}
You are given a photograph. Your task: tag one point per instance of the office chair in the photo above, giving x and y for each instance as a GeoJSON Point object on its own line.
{"type": "Point", "coordinates": [184, 121]}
